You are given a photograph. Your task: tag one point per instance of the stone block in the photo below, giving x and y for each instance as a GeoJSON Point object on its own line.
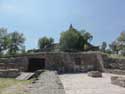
{"type": "Point", "coordinates": [10, 73]}
{"type": "Point", "coordinates": [117, 80]}
{"type": "Point", "coordinates": [95, 74]}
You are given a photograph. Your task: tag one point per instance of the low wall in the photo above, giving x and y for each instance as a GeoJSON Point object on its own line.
{"type": "Point", "coordinates": [20, 63]}
{"type": "Point", "coordinates": [11, 73]}
{"type": "Point", "coordinates": [114, 63]}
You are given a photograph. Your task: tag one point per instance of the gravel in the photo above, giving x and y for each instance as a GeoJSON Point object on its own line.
{"type": "Point", "coordinates": [47, 83]}
{"type": "Point", "coordinates": [82, 84]}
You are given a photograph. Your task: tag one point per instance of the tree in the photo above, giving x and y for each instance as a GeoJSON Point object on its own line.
{"type": "Point", "coordinates": [74, 40]}
{"type": "Point", "coordinates": [3, 39]}
{"type": "Point", "coordinates": [15, 42]}
{"type": "Point", "coordinates": [119, 44]}
{"type": "Point", "coordinates": [87, 37]}
{"type": "Point", "coordinates": [114, 47]}
{"type": "Point", "coordinates": [44, 42]}
{"type": "Point", "coordinates": [121, 41]}
{"type": "Point", "coordinates": [71, 40]}
{"type": "Point", "coordinates": [103, 46]}
{"type": "Point", "coordinates": [121, 38]}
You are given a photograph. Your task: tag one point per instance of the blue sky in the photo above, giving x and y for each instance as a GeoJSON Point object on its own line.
{"type": "Point", "coordinates": [105, 19]}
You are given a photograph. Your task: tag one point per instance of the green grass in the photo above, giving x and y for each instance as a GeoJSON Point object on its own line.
{"type": "Point", "coordinates": [117, 56]}
{"type": "Point", "coordinates": [8, 82]}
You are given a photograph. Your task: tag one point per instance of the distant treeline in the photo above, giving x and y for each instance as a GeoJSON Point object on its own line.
{"type": "Point", "coordinates": [71, 40]}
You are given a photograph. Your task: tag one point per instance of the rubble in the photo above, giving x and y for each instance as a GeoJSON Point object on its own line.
{"type": "Point", "coordinates": [117, 80]}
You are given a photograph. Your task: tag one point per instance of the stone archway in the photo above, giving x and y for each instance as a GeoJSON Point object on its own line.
{"type": "Point", "coordinates": [36, 64]}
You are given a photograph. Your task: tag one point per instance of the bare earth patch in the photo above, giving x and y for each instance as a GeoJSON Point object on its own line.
{"type": "Point", "coordinates": [82, 84]}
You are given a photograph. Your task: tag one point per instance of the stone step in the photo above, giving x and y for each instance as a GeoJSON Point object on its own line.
{"type": "Point", "coordinates": [25, 76]}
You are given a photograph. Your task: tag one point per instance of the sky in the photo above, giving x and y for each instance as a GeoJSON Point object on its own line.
{"type": "Point", "coordinates": [104, 19]}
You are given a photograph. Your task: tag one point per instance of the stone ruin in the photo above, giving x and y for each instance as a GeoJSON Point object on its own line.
{"type": "Point", "coordinates": [8, 70]}
{"type": "Point", "coordinates": [11, 73]}
{"type": "Point", "coordinates": [117, 80]}
{"type": "Point", "coordinates": [63, 62]}
{"type": "Point", "coordinates": [60, 61]}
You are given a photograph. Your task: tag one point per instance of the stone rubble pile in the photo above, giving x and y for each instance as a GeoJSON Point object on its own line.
{"type": "Point", "coordinates": [117, 80]}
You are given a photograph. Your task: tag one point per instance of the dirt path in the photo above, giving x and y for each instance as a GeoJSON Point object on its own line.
{"type": "Point", "coordinates": [47, 83]}
{"type": "Point", "coordinates": [82, 84]}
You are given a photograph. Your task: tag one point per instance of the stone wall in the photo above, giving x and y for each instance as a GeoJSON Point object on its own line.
{"type": "Point", "coordinates": [20, 63]}
{"type": "Point", "coordinates": [9, 73]}
{"type": "Point", "coordinates": [73, 62]}
{"type": "Point", "coordinates": [113, 63]}
{"type": "Point", "coordinates": [65, 62]}
{"type": "Point", "coordinates": [62, 62]}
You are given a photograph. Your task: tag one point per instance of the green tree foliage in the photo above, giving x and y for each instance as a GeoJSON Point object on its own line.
{"type": "Point", "coordinates": [121, 38]}
{"type": "Point", "coordinates": [15, 42]}
{"type": "Point", "coordinates": [3, 39]}
{"type": "Point", "coordinates": [73, 40]}
{"type": "Point", "coordinates": [44, 42]}
{"type": "Point", "coordinates": [11, 42]}
{"type": "Point", "coordinates": [121, 41]}
{"type": "Point", "coordinates": [114, 46]}
{"type": "Point", "coordinates": [87, 37]}
{"type": "Point", "coordinates": [103, 46]}
{"type": "Point", "coordinates": [118, 44]}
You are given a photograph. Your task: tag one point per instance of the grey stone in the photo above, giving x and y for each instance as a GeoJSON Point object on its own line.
{"type": "Point", "coordinates": [25, 76]}
{"type": "Point", "coordinates": [9, 73]}
{"type": "Point", "coordinates": [117, 80]}
{"type": "Point", "coordinates": [48, 83]}
{"type": "Point", "coordinates": [95, 74]}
